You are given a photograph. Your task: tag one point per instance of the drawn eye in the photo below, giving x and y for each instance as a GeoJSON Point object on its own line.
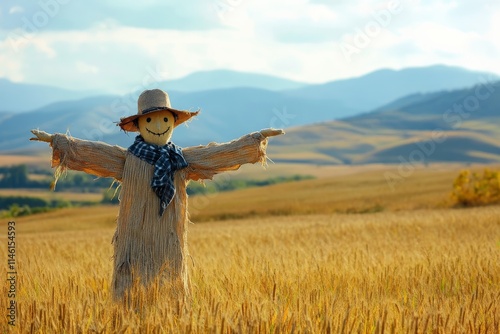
{"type": "Point", "coordinates": [165, 119]}
{"type": "Point", "coordinates": [148, 119]}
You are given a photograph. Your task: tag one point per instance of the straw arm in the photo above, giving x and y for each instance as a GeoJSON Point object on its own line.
{"type": "Point", "coordinates": [206, 161]}
{"type": "Point", "coordinates": [41, 136]}
{"type": "Point", "coordinates": [96, 158]}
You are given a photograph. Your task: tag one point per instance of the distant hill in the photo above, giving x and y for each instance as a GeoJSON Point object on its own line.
{"type": "Point", "coordinates": [321, 128]}
{"type": "Point", "coordinates": [15, 97]}
{"type": "Point", "coordinates": [225, 114]}
{"type": "Point", "coordinates": [446, 126]}
{"type": "Point", "coordinates": [356, 95]}
{"type": "Point", "coordinates": [83, 117]}
{"type": "Point", "coordinates": [444, 110]}
{"type": "Point", "coordinates": [220, 79]}
{"type": "Point", "coordinates": [378, 88]}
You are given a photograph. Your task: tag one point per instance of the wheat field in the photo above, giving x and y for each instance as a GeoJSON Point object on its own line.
{"type": "Point", "coordinates": [422, 271]}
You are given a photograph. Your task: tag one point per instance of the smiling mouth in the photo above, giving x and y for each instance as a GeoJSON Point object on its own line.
{"type": "Point", "coordinates": [158, 134]}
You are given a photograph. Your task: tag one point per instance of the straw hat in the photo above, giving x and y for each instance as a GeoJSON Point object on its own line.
{"type": "Point", "coordinates": [151, 101]}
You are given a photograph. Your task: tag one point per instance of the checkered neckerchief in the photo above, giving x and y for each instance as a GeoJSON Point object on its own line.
{"type": "Point", "coordinates": [166, 159]}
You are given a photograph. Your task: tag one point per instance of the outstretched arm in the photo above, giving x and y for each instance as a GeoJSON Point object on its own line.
{"type": "Point", "coordinates": [91, 157]}
{"type": "Point", "coordinates": [206, 161]}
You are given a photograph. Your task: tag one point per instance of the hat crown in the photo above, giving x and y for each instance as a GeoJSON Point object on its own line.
{"type": "Point", "coordinates": [153, 99]}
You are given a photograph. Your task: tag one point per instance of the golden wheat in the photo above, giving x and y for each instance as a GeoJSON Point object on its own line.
{"type": "Point", "coordinates": [424, 271]}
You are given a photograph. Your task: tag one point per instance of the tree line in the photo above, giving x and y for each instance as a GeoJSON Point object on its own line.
{"type": "Point", "coordinates": [18, 176]}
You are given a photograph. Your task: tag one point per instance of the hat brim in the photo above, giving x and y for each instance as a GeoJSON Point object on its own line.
{"type": "Point", "coordinates": [127, 123]}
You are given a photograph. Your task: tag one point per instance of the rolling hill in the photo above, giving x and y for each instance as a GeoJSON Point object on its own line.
{"type": "Point", "coordinates": [384, 86]}
{"type": "Point", "coordinates": [221, 79]}
{"type": "Point", "coordinates": [448, 126]}
{"type": "Point", "coordinates": [18, 97]}
{"type": "Point", "coordinates": [225, 114]}
{"type": "Point", "coordinates": [321, 128]}
{"type": "Point", "coordinates": [359, 94]}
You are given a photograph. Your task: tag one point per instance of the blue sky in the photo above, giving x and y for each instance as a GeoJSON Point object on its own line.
{"type": "Point", "coordinates": [115, 46]}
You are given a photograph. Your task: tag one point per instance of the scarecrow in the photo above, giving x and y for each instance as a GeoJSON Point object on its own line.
{"type": "Point", "coordinates": [150, 241]}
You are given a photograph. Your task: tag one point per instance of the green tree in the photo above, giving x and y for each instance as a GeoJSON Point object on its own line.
{"type": "Point", "coordinates": [16, 177]}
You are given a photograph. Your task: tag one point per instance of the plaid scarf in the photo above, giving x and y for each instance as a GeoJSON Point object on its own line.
{"type": "Point", "coordinates": [166, 159]}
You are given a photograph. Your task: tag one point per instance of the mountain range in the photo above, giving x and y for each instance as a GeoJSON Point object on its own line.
{"type": "Point", "coordinates": [361, 93]}
{"type": "Point", "coordinates": [378, 117]}
{"type": "Point", "coordinates": [19, 97]}
{"type": "Point", "coordinates": [449, 126]}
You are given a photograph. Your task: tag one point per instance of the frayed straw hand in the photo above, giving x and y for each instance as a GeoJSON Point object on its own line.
{"type": "Point", "coordinates": [271, 132]}
{"type": "Point", "coordinates": [41, 136]}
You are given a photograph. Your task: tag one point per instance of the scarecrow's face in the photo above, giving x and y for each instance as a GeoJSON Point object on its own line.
{"type": "Point", "coordinates": [157, 127]}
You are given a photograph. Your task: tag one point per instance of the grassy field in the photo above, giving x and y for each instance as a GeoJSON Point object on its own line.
{"type": "Point", "coordinates": [350, 190]}
{"type": "Point", "coordinates": [336, 189]}
{"type": "Point", "coordinates": [41, 159]}
{"type": "Point", "coordinates": [338, 254]}
{"type": "Point", "coordinates": [435, 271]}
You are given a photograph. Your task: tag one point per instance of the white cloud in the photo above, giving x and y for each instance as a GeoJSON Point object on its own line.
{"type": "Point", "coordinates": [16, 9]}
{"type": "Point", "coordinates": [429, 36]}
{"type": "Point", "coordinates": [83, 67]}
{"type": "Point", "coordinates": [44, 48]}
{"type": "Point", "coordinates": [296, 39]}
{"type": "Point", "coordinates": [11, 68]}
{"type": "Point", "coordinates": [494, 26]}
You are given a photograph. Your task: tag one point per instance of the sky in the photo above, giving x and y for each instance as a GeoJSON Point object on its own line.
{"type": "Point", "coordinates": [117, 46]}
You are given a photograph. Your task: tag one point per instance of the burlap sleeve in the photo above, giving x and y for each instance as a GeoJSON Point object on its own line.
{"type": "Point", "coordinates": [91, 157]}
{"type": "Point", "coordinates": [206, 161]}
